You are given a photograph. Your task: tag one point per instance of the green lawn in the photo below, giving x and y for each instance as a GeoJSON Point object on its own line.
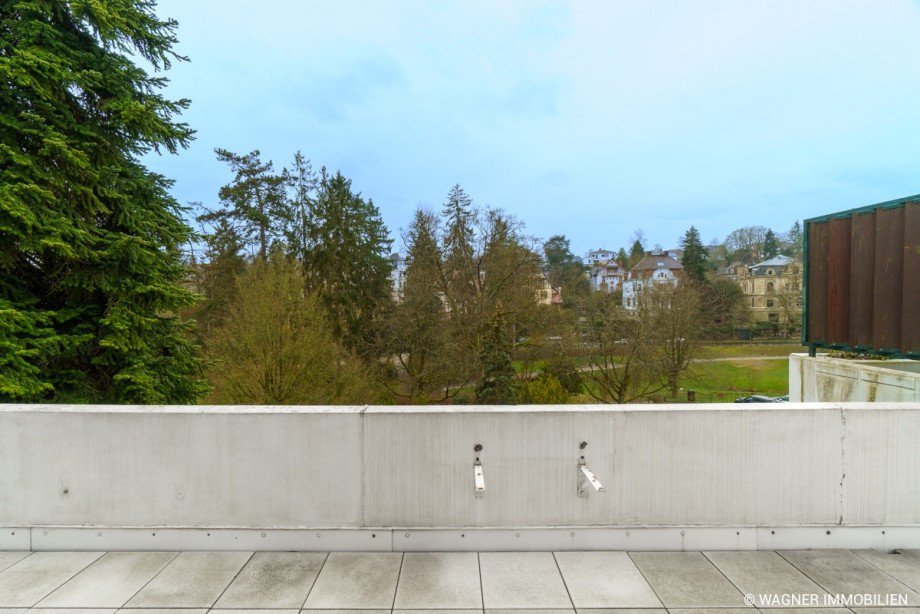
{"type": "Point", "coordinates": [724, 381]}
{"type": "Point", "coordinates": [746, 349]}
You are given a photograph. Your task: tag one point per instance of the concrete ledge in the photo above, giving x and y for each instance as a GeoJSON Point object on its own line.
{"type": "Point", "coordinates": [675, 476]}
{"type": "Point", "coordinates": [837, 380]}
{"type": "Point", "coordinates": [691, 538]}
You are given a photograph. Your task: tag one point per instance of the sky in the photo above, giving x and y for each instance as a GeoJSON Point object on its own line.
{"type": "Point", "coordinates": [589, 119]}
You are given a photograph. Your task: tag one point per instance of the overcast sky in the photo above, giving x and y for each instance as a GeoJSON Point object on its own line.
{"type": "Point", "coordinates": [590, 119]}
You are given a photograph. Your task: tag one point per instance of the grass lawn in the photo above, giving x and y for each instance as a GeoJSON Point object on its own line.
{"type": "Point", "coordinates": [724, 381]}
{"type": "Point", "coordinates": [746, 349]}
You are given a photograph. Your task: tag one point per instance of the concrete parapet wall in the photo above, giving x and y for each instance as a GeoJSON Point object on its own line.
{"type": "Point", "coordinates": [298, 468]}
{"type": "Point", "coordinates": [824, 379]}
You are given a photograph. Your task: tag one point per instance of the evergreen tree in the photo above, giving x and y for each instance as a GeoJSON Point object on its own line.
{"type": "Point", "coordinates": [302, 184]}
{"type": "Point", "coordinates": [462, 279]}
{"type": "Point", "coordinates": [622, 258]}
{"type": "Point", "coordinates": [564, 269]}
{"type": "Point", "coordinates": [794, 245]}
{"type": "Point", "coordinates": [770, 247]}
{"type": "Point", "coordinates": [346, 262]}
{"type": "Point", "coordinates": [224, 263]}
{"type": "Point", "coordinates": [90, 239]}
{"type": "Point", "coordinates": [695, 259]}
{"type": "Point", "coordinates": [496, 386]}
{"type": "Point", "coordinates": [636, 253]}
{"type": "Point", "coordinates": [254, 201]}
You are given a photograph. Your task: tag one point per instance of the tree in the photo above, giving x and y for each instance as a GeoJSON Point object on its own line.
{"type": "Point", "coordinates": [302, 184]}
{"type": "Point", "coordinates": [462, 281]}
{"type": "Point", "coordinates": [723, 306]}
{"type": "Point", "coordinates": [254, 201]}
{"type": "Point", "coordinates": [277, 346]}
{"type": "Point", "coordinates": [770, 247]}
{"type": "Point", "coordinates": [695, 259]}
{"type": "Point", "coordinates": [224, 263]}
{"type": "Point", "coordinates": [622, 258]}
{"type": "Point", "coordinates": [794, 245]}
{"type": "Point", "coordinates": [416, 333]}
{"type": "Point", "coordinates": [90, 239]}
{"type": "Point", "coordinates": [674, 323]}
{"type": "Point", "coordinates": [497, 384]}
{"type": "Point", "coordinates": [564, 269]}
{"type": "Point", "coordinates": [636, 253]}
{"type": "Point", "coordinates": [746, 244]}
{"type": "Point", "coordinates": [345, 260]}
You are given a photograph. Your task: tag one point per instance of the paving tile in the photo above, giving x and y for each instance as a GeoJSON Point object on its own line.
{"type": "Point", "coordinates": [191, 580]}
{"type": "Point", "coordinates": [163, 611]}
{"type": "Point", "coordinates": [9, 558]}
{"type": "Point", "coordinates": [110, 581]}
{"type": "Point", "coordinates": [438, 611]}
{"type": "Point", "coordinates": [73, 610]}
{"type": "Point", "coordinates": [605, 580]}
{"type": "Point", "coordinates": [522, 580]}
{"type": "Point", "coordinates": [904, 567]}
{"type": "Point", "coordinates": [439, 580]}
{"type": "Point", "coordinates": [356, 580]}
{"type": "Point", "coordinates": [25, 583]}
{"type": "Point", "coordinates": [767, 577]}
{"type": "Point", "coordinates": [627, 611]}
{"type": "Point", "coordinates": [386, 611]}
{"type": "Point", "coordinates": [886, 610]}
{"type": "Point", "coordinates": [806, 610]}
{"type": "Point", "coordinates": [840, 572]}
{"type": "Point", "coordinates": [251, 611]}
{"type": "Point", "coordinates": [530, 611]}
{"type": "Point", "coordinates": [687, 580]}
{"type": "Point", "coordinates": [13, 610]}
{"type": "Point", "coordinates": [713, 611]}
{"type": "Point", "coordinates": [273, 580]}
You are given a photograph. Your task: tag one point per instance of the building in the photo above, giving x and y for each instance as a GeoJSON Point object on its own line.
{"type": "Point", "coordinates": [773, 289]}
{"type": "Point", "coordinates": [596, 257]}
{"type": "Point", "coordinates": [397, 275]}
{"type": "Point", "coordinates": [654, 268]}
{"type": "Point", "coordinates": [547, 294]}
{"type": "Point", "coordinates": [606, 276]}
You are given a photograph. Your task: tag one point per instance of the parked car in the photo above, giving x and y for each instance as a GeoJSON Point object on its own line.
{"type": "Point", "coordinates": [760, 398]}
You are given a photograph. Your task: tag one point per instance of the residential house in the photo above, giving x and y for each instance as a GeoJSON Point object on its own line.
{"type": "Point", "coordinates": [773, 289]}
{"type": "Point", "coordinates": [397, 275]}
{"type": "Point", "coordinates": [655, 268]}
{"type": "Point", "coordinates": [596, 257]}
{"type": "Point", "coordinates": [606, 276]}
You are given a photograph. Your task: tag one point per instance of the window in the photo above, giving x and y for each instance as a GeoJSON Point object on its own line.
{"type": "Point", "coordinates": [769, 302]}
{"type": "Point", "coordinates": [773, 317]}
{"type": "Point", "coordinates": [770, 288]}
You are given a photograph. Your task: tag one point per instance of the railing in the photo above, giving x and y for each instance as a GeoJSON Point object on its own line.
{"type": "Point", "coordinates": [672, 476]}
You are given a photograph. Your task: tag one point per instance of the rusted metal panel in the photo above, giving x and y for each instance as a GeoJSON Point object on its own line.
{"type": "Point", "coordinates": [862, 275]}
{"type": "Point", "coordinates": [862, 279]}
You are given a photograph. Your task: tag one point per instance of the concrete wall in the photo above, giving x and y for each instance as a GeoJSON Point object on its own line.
{"type": "Point", "coordinates": [789, 465]}
{"type": "Point", "coordinates": [833, 380]}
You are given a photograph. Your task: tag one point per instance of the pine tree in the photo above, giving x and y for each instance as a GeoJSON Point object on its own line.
{"type": "Point", "coordinates": [622, 258]}
{"type": "Point", "coordinates": [564, 269]}
{"type": "Point", "coordinates": [794, 244]}
{"type": "Point", "coordinates": [496, 386]}
{"type": "Point", "coordinates": [224, 264]}
{"type": "Point", "coordinates": [254, 201]}
{"type": "Point", "coordinates": [770, 247]}
{"type": "Point", "coordinates": [90, 239]}
{"type": "Point", "coordinates": [695, 259]}
{"type": "Point", "coordinates": [636, 253]}
{"type": "Point", "coordinates": [461, 276]}
{"type": "Point", "coordinates": [346, 262]}
{"type": "Point", "coordinates": [302, 183]}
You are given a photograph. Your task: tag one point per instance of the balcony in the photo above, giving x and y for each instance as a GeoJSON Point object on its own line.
{"type": "Point", "coordinates": [381, 508]}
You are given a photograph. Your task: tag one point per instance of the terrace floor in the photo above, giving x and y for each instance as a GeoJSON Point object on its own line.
{"type": "Point", "coordinates": [199, 582]}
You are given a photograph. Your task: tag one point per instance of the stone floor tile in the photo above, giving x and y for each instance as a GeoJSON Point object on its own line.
{"type": "Point", "coordinates": [904, 567]}
{"type": "Point", "coordinates": [252, 611]}
{"type": "Point", "coordinates": [356, 580]}
{"type": "Point", "coordinates": [7, 559]}
{"type": "Point", "coordinates": [439, 580]}
{"type": "Point", "coordinates": [162, 611]}
{"type": "Point", "coordinates": [806, 611]}
{"type": "Point", "coordinates": [522, 580]}
{"type": "Point", "coordinates": [362, 611]}
{"type": "Point", "coordinates": [687, 580]}
{"type": "Point", "coordinates": [73, 610]}
{"type": "Point", "coordinates": [110, 581]}
{"type": "Point", "coordinates": [605, 580]}
{"type": "Point", "coordinates": [438, 611]}
{"type": "Point", "coordinates": [529, 611]}
{"type": "Point", "coordinates": [191, 580]}
{"type": "Point", "coordinates": [840, 572]}
{"type": "Point", "coordinates": [767, 577]}
{"type": "Point", "coordinates": [713, 611]}
{"type": "Point", "coordinates": [886, 610]}
{"type": "Point", "coordinates": [273, 580]}
{"type": "Point", "coordinates": [27, 582]}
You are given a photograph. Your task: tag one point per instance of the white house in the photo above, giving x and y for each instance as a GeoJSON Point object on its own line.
{"type": "Point", "coordinates": [654, 268]}
{"type": "Point", "coordinates": [606, 276]}
{"type": "Point", "coordinates": [397, 275]}
{"type": "Point", "coordinates": [597, 257]}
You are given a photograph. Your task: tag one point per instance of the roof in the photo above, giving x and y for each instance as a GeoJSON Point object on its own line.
{"type": "Point", "coordinates": [653, 262]}
{"type": "Point", "coordinates": [774, 261]}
